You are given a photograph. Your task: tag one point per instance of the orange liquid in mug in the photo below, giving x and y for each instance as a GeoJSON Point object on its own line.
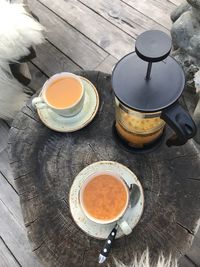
{"type": "Point", "coordinates": [64, 92]}
{"type": "Point", "coordinates": [105, 197]}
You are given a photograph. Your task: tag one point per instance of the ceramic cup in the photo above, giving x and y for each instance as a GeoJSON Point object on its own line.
{"type": "Point", "coordinates": [41, 102]}
{"type": "Point", "coordinates": [126, 229]}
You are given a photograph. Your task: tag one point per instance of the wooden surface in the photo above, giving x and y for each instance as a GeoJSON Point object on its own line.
{"type": "Point", "coordinates": [15, 250]}
{"type": "Point", "coordinates": [44, 164]}
{"type": "Point", "coordinates": [4, 135]}
{"type": "Point", "coordinates": [6, 256]}
{"type": "Point", "coordinates": [61, 53]}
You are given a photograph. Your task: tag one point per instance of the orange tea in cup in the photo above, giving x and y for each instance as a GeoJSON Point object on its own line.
{"type": "Point", "coordinates": [104, 197]}
{"type": "Point", "coordinates": [64, 92]}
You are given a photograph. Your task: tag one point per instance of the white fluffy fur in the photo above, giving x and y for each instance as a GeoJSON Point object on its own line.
{"type": "Point", "coordinates": [12, 96]}
{"type": "Point", "coordinates": [144, 261]}
{"type": "Point", "coordinates": [18, 32]}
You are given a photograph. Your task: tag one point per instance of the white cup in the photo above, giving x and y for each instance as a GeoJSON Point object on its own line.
{"type": "Point", "coordinates": [41, 102]}
{"type": "Point", "coordinates": [126, 229]}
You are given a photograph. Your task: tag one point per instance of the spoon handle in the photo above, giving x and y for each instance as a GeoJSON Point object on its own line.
{"type": "Point", "coordinates": [107, 245]}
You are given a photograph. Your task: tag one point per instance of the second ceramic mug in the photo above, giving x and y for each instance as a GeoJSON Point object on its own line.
{"type": "Point", "coordinates": [68, 111]}
{"type": "Point", "coordinates": [126, 229]}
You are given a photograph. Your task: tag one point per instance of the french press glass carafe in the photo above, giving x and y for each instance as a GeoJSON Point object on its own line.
{"type": "Point", "coordinates": [147, 85]}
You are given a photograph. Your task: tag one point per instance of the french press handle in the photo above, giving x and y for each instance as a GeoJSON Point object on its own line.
{"type": "Point", "coordinates": [181, 122]}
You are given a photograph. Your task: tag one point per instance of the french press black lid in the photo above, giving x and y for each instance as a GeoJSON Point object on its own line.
{"type": "Point", "coordinates": [149, 80]}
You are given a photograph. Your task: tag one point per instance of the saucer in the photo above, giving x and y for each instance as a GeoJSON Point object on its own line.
{"type": "Point", "coordinates": [96, 230]}
{"type": "Point", "coordinates": [70, 124]}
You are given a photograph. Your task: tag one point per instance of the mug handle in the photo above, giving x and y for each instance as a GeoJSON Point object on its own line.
{"type": "Point", "coordinates": [181, 122]}
{"type": "Point", "coordinates": [126, 229]}
{"type": "Point", "coordinates": [38, 102]}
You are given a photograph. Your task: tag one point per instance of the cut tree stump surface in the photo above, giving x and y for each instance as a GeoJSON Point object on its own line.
{"type": "Point", "coordinates": [45, 162]}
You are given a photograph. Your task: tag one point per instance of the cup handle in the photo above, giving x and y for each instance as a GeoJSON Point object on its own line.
{"type": "Point", "coordinates": [181, 122]}
{"type": "Point", "coordinates": [38, 103]}
{"type": "Point", "coordinates": [126, 229]}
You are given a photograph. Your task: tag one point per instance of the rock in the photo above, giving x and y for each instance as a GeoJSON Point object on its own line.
{"type": "Point", "coordinates": [185, 34]}
{"type": "Point", "coordinates": [179, 11]}
{"type": "Point", "coordinates": [186, 39]}
{"type": "Point", "coordinates": [197, 109]}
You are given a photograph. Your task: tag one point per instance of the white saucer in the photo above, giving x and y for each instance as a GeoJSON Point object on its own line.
{"type": "Point", "coordinates": [100, 231]}
{"type": "Point", "coordinates": [63, 124]}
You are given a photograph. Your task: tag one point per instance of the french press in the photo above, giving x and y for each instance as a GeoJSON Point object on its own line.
{"type": "Point", "coordinates": [147, 84]}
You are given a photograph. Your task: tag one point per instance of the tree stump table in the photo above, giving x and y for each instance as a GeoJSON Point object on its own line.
{"type": "Point", "coordinates": [45, 162]}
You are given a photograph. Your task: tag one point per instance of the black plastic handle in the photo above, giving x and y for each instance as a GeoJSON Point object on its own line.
{"type": "Point", "coordinates": [109, 241]}
{"type": "Point", "coordinates": [181, 122]}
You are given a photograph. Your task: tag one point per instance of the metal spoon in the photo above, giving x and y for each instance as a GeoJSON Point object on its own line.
{"type": "Point", "coordinates": [134, 197]}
